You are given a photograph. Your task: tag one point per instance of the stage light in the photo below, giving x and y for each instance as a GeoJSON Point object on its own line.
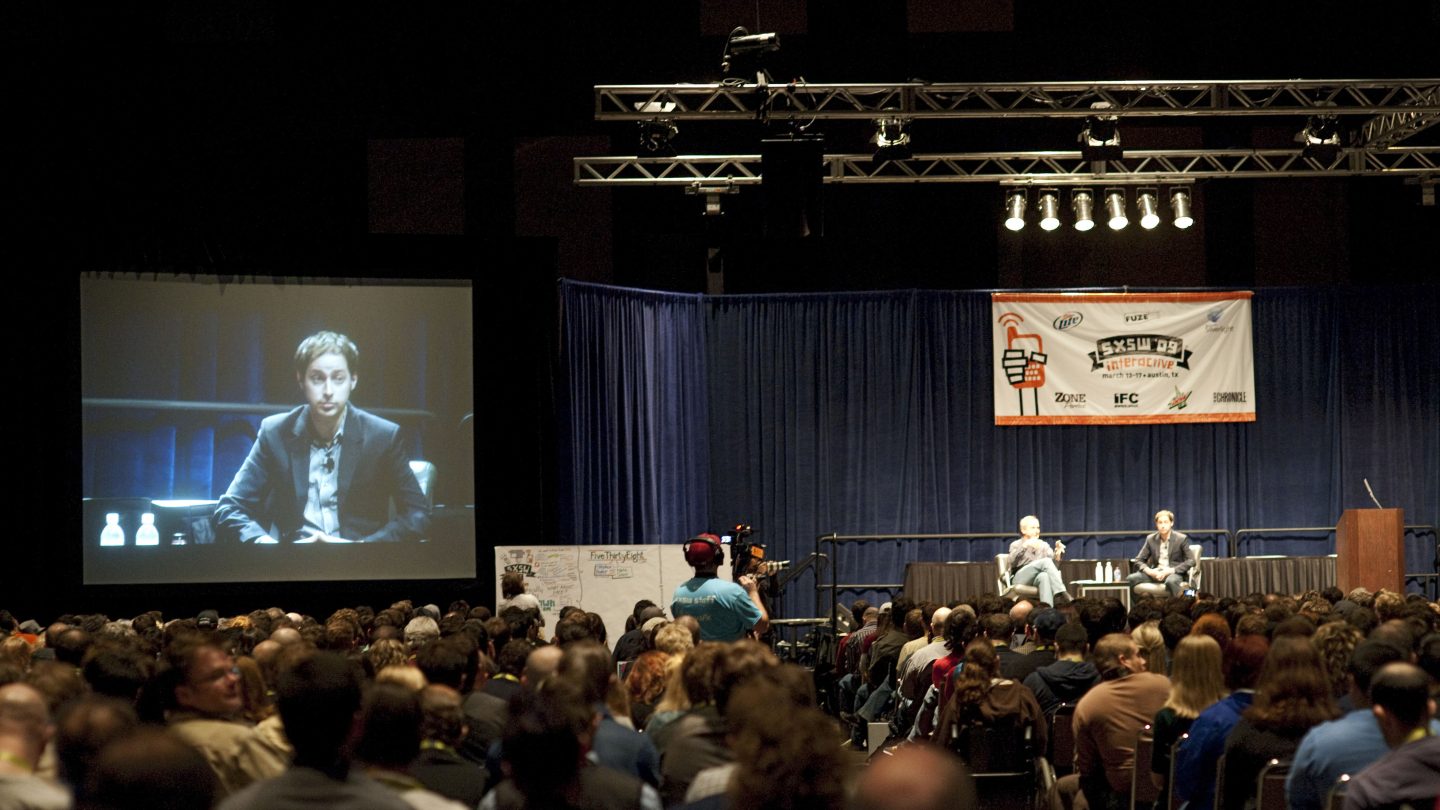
{"type": "Point", "coordinates": [1321, 138]}
{"type": "Point", "coordinates": [1100, 139]}
{"type": "Point", "coordinates": [743, 47]}
{"type": "Point", "coordinates": [1082, 203]}
{"type": "Point", "coordinates": [656, 136]}
{"type": "Point", "coordinates": [1180, 206]}
{"type": "Point", "coordinates": [1115, 208]}
{"type": "Point", "coordinates": [1015, 210]}
{"type": "Point", "coordinates": [1149, 208]}
{"type": "Point", "coordinates": [1049, 209]}
{"type": "Point", "coordinates": [892, 139]}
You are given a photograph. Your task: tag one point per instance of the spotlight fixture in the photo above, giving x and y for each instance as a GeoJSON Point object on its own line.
{"type": "Point", "coordinates": [1321, 138]}
{"type": "Point", "coordinates": [1145, 200]}
{"type": "Point", "coordinates": [1015, 209]}
{"type": "Point", "coordinates": [1100, 139]}
{"type": "Point", "coordinates": [1180, 206]}
{"type": "Point", "coordinates": [743, 46]}
{"type": "Point", "coordinates": [1082, 203]}
{"type": "Point", "coordinates": [656, 136]}
{"type": "Point", "coordinates": [1115, 208]}
{"type": "Point", "coordinates": [892, 139]}
{"type": "Point", "coordinates": [1049, 209]}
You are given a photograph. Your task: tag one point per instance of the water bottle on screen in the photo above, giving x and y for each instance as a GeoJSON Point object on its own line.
{"type": "Point", "coordinates": [1099, 572]}
{"type": "Point", "coordinates": [1109, 571]}
{"type": "Point", "coordinates": [112, 534]}
{"type": "Point", "coordinates": [146, 535]}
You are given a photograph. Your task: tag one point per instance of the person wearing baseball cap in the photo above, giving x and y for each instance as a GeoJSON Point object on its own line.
{"type": "Point", "coordinates": [726, 611]}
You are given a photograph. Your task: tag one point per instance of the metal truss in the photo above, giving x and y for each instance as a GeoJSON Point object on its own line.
{"type": "Point", "coordinates": [713, 173]}
{"type": "Point", "coordinates": [1419, 98]}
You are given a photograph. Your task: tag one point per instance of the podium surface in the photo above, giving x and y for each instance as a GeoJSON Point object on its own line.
{"type": "Point", "coordinates": [1370, 550]}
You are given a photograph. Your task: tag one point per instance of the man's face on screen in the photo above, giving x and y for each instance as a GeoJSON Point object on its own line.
{"type": "Point", "coordinates": [327, 383]}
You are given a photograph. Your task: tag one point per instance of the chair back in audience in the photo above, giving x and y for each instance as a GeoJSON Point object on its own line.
{"type": "Point", "coordinates": [1062, 739]}
{"type": "Point", "coordinates": [1336, 799]}
{"type": "Point", "coordinates": [1002, 761]}
{"type": "Point", "coordinates": [1270, 785]}
{"type": "Point", "coordinates": [1143, 792]}
{"type": "Point", "coordinates": [1220, 780]}
{"type": "Point", "coordinates": [1170, 779]}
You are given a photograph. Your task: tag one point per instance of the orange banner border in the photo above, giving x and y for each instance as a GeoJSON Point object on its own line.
{"type": "Point", "coordinates": [1138, 419]}
{"type": "Point", "coordinates": [1175, 297]}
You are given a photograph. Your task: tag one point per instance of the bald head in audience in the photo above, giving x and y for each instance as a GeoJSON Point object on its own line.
{"type": "Point", "coordinates": [540, 665]}
{"type": "Point", "coordinates": [916, 777]}
{"type": "Point", "coordinates": [25, 726]}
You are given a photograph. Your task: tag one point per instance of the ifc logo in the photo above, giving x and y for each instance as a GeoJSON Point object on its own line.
{"type": "Point", "coordinates": [1068, 320]}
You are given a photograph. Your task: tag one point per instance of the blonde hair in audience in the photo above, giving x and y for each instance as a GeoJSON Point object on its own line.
{"type": "Point", "coordinates": [1152, 644]}
{"type": "Point", "coordinates": [406, 676]}
{"type": "Point", "coordinates": [674, 699]}
{"type": "Point", "coordinates": [1196, 679]}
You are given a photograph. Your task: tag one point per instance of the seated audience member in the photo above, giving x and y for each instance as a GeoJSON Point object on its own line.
{"type": "Point", "coordinates": [512, 593]}
{"type": "Point", "coordinates": [917, 664]}
{"type": "Point", "coordinates": [151, 769]}
{"type": "Point", "coordinates": [586, 664]}
{"type": "Point", "coordinates": [1335, 641]}
{"type": "Point", "coordinates": [25, 730]}
{"type": "Point", "coordinates": [86, 725]}
{"type": "Point", "coordinates": [960, 628]}
{"type": "Point", "coordinates": [644, 685]}
{"type": "Point", "coordinates": [1040, 637]}
{"type": "Point", "coordinates": [390, 740]}
{"type": "Point", "coordinates": [1346, 745]}
{"type": "Point", "coordinates": [917, 777]}
{"type": "Point", "coordinates": [781, 758]}
{"type": "Point", "coordinates": [1410, 772]}
{"type": "Point", "coordinates": [1152, 646]}
{"type": "Point", "coordinates": [198, 688]}
{"type": "Point", "coordinates": [983, 698]}
{"type": "Point", "coordinates": [487, 708]}
{"type": "Point", "coordinates": [1109, 718]}
{"type": "Point", "coordinates": [1196, 760]}
{"type": "Point", "coordinates": [319, 698]}
{"type": "Point", "coordinates": [118, 671]}
{"type": "Point", "coordinates": [1070, 676]}
{"type": "Point", "coordinates": [629, 646]}
{"type": "Point", "coordinates": [439, 765]}
{"type": "Point", "coordinates": [1196, 683]}
{"type": "Point", "coordinates": [1292, 695]}
{"type": "Point", "coordinates": [546, 741]}
{"type": "Point", "coordinates": [1000, 630]}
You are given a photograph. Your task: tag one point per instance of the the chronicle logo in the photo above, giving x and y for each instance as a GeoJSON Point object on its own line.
{"type": "Point", "coordinates": [1229, 396]}
{"type": "Point", "coordinates": [1068, 320]}
{"type": "Point", "coordinates": [1069, 400]}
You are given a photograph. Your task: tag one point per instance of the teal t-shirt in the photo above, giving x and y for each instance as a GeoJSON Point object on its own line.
{"type": "Point", "coordinates": [723, 609]}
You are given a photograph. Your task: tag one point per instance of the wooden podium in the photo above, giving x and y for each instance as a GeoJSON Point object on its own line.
{"type": "Point", "coordinates": [1370, 550]}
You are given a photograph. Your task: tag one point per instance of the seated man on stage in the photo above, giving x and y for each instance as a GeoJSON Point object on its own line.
{"type": "Point", "coordinates": [1164, 557]}
{"type": "Point", "coordinates": [1032, 562]}
{"type": "Point", "coordinates": [325, 471]}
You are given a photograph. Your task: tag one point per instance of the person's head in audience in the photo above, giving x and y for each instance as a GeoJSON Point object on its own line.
{"type": "Point", "coordinates": [1173, 627]}
{"type": "Point", "coordinates": [446, 661]}
{"type": "Point", "coordinates": [573, 630]}
{"type": "Point", "coordinates": [384, 653]}
{"type": "Point", "coordinates": [407, 677]}
{"type": "Point", "coordinates": [871, 616]}
{"type": "Point", "coordinates": [979, 667]}
{"type": "Point", "coordinates": [71, 646]}
{"type": "Point", "coordinates": [1214, 626]}
{"type": "Point", "coordinates": [511, 658]}
{"type": "Point", "coordinates": [1020, 612]}
{"type": "Point", "coordinates": [699, 671]}
{"type": "Point", "coordinates": [740, 662]}
{"type": "Point", "coordinates": [421, 630]}
{"type": "Point", "coordinates": [1397, 633]}
{"type": "Point", "coordinates": [1148, 610]}
{"type": "Point", "coordinates": [988, 603]}
{"type": "Point", "coordinates": [57, 681]}
{"type": "Point", "coordinates": [389, 727]}
{"type": "Point", "coordinates": [1429, 659]}
{"type": "Point", "coordinates": [1389, 605]}
{"type": "Point", "coordinates": [85, 726]}
{"type": "Point", "coordinates": [673, 638]}
{"type": "Point", "coordinates": [1243, 659]}
{"type": "Point", "coordinates": [597, 627]}
{"type": "Point", "coordinates": [917, 777]}
{"type": "Point", "coordinates": [1401, 700]}
{"type": "Point", "coordinates": [540, 665]}
{"type": "Point", "coordinates": [1369, 657]}
{"type": "Point", "coordinates": [1335, 642]}
{"type": "Point", "coordinates": [1196, 678]}
{"type": "Point", "coordinates": [1072, 642]}
{"type": "Point", "coordinates": [914, 624]}
{"type": "Point", "coordinates": [319, 696]}
{"type": "Point", "coordinates": [1152, 645]}
{"type": "Point", "coordinates": [587, 664]}
{"type": "Point", "coordinates": [1117, 655]}
{"type": "Point", "coordinates": [196, 678]}
{"type": "Point", "coordinates": [858, 609]}
{"type": "Point", "coordinates": [777, 761]}
{"type": "Point", "coordinates": [645, 682]}
{"type": "Point", "coordinates": [937, 622]}
{"type": "Point", "coordinates": [443, 718]}
{"type": "Point", "coordinates": [512, 584]}
{"type": "Point", "coordinates": [960, 627]}
{"type": "Point", "coordinates": [151, 769]}
{"type": "Point", "coordinates": [256, 704]}
{"type": "Point", "coordinates": [998, 628]}
{"type": "Point", "coordinates": [285, 636]}
{"type": "Point", "coordinates": [25, 727]}
{"type": "Point", "coordinates": [693, 625]}
{"type": "Point", "coordinates": [1252, 624]}
{"type": "Point", "coordinates": [16, 650]}
{"type": "Point", "coordinates": [1292, 693]}
{"type": "Point", "coordinates": [545, 741]}
{"type": "Point", "coordinates": [1296, 625]}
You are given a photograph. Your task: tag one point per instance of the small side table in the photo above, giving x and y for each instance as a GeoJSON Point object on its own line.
{"type": "Point", "coordinates": [1083, 587]}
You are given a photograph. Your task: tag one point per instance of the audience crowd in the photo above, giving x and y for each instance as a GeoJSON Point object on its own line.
{"type": "Point", "coordinates": [414, 707]}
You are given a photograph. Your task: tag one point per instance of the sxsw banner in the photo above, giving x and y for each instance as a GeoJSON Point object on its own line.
{"type": "Point", "coordinates": [1122, 358]}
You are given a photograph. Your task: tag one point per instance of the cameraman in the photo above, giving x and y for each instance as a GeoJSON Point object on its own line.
{"type": "Point", "coordinates": [726, 611]}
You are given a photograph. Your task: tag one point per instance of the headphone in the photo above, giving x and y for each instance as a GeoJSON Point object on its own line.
{"type": "Point", "coordinates": [704, 550]}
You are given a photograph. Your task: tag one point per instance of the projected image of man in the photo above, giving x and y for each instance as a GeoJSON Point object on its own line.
{"type": "Point", "coordinates": [327, 470]}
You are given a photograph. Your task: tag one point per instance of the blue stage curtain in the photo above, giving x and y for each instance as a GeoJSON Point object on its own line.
{"type": "Point", "coordinates": [871, 413]}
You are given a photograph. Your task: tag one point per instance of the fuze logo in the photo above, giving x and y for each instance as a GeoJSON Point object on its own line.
{"type": "Point", "coordinates": [1068, 320]}
{"type": "Point", "coordinates": [1127, 400]}
{"type": "Point", "coordinates": [1136, 317]}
